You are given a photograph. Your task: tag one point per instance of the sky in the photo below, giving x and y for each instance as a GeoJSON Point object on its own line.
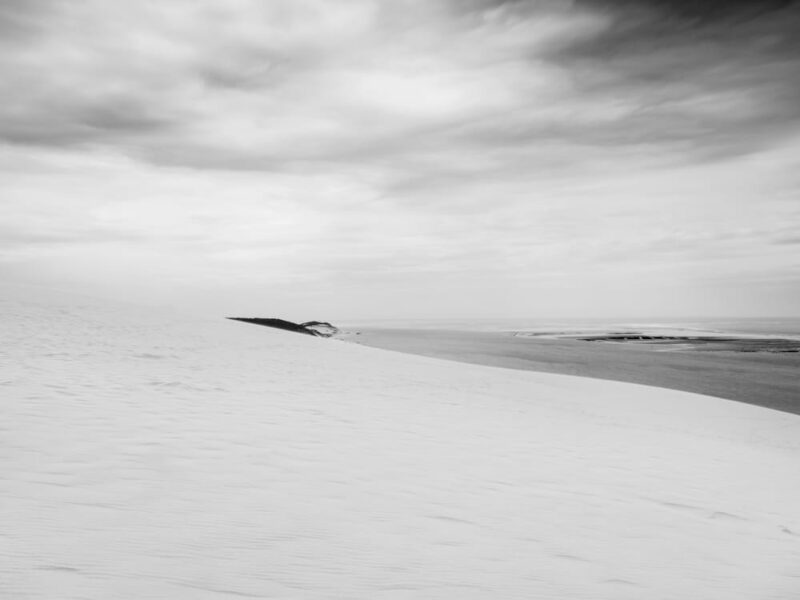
{"type": "Point", "coordinates": [320, 159]}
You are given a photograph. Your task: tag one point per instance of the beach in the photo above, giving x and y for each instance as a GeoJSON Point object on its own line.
{"type": "Point", "coordinates": [768, 379]}
{"type": "Point", "coordinates": [153, 454]}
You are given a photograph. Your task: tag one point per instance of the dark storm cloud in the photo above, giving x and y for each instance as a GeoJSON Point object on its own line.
{"type": "Point", "coordinates": [763, 29]}
{"type": "Point", "coordinates": [712, 78]}
{"type": "Point", "coordinates": [699, 11]}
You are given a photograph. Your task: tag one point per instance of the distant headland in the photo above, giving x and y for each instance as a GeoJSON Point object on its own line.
{"type": "Point", "coordinates": [315, 328]}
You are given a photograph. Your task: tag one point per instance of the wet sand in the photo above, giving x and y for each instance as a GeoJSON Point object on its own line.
{"type": "Point", "coordinates": [765, 379]}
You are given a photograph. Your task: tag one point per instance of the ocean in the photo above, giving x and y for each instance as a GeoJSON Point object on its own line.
{"type": "Point", "coordinates": [766, 327]}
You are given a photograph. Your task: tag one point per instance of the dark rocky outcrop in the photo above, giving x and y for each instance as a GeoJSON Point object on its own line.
{"type": "Point", "coordinates": [315, 328]}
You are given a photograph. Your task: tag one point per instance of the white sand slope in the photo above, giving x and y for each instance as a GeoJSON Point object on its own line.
{"type": "Point", "coordinates": [146, 456]}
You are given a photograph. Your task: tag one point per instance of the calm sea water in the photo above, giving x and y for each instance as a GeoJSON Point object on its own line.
{"type": "Point", "coordinates": [774, 327]}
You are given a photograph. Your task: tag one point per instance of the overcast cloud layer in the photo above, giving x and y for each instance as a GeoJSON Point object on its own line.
{"type": "Point", "coordinates": [406, 158]}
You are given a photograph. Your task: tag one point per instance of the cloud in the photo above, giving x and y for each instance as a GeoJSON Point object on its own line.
{"type": "Point", "coordinates": [21, 18]}
{"type": "Point", "coordinates": [379, 145]}
{"type": "Point", "coordinates": [721, 77]}
{"type": "Point", "coordinates": [688, 13]}
{"type": "Point", "coordinates": [270, 86]}
{"type": "Point", "coordinates": [266, 84]}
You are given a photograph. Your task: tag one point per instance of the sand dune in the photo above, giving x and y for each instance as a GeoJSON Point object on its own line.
{"type": "Point", "coordinates": [147, 455]}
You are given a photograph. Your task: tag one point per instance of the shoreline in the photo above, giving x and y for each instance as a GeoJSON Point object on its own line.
{"type": "Point", "coordinates": [765, 379]}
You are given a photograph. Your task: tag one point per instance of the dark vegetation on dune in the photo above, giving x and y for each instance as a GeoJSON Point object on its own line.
{"type": "Point", "coordinates": [315, 328]}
